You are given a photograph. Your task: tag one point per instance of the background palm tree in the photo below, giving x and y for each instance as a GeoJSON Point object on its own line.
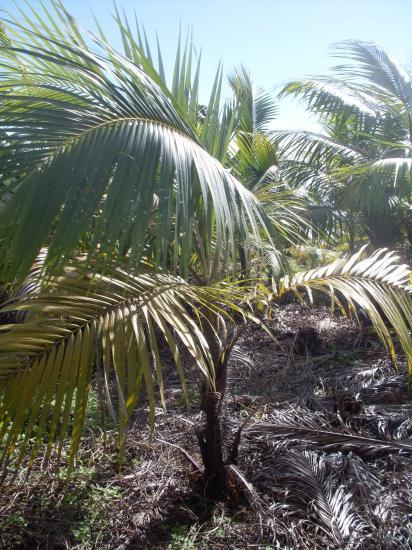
{"type": "Point", "coordinates": [358, 166]}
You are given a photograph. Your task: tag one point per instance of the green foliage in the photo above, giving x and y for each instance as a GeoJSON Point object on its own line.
{"type": "Point", "coordinates": [11, 524]}
{"type": "Point", "coordinates": [114, 320]}
{"type": "Point", "coordinates": [92, 134]}
{"type": "Point", "coordinates": [144, 214]}
{"type": "Point", "coordinates": [76, 512]}
{"type": "Point", "coordinates": [91, 506]}
{"type": "Point", "coordinates": [358, 166]}
{"type": "Point", "coordinates": [181, 537]}
{"type": "Point", "coordinates": [308, 257]}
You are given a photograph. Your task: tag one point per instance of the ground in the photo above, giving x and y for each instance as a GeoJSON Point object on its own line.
{"type": "Point", "coordinates": [324, 457]}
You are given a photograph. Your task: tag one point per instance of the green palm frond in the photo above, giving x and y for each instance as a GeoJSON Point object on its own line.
{"type": "Point", "coordinates": [287, 210]}
{"type": "Point", "coordinates": [94, 140]}
{"type": "Point", "coordinates": [306, 177]}
{"type": "Point", "coordinates": [331, 96]}
{"type": "Point", "coordinates": [256, 161]}
{"type": "Point", "coordinates": [185, 79]}
{"type": "Point", "coordinates": [377, 284]}
{"type": "Point", "coordinates": [256, 108]}
{"type": "Point", "coordinates": [112, 323]}
{"type": "Point", "coordinates": [378, 69]}
{"type": "Point", "coordinates": [216, 128]}
{"type": "Point", "coordinates": [314, 148]}
{"type": "Point", "coordinates": [392, 168]}
{"type": "Point", "coordinates": [365, 109]}
{"type": "Point", "coordinates": [255, 111]}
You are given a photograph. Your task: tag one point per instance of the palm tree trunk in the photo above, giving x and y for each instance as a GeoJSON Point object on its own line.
{"type": "Point", "coordinates": [212, 448]}
{"type": "Point", "coordinates": [351, 234]}
{"type": "Point", "coordinates": [216, 452]}
{"type": "Point", "coordinates": [243, 263]}
{"type": "Point", "coordinates": [210, 437]}
{"type": "Point", "coordinates": [408, 226]}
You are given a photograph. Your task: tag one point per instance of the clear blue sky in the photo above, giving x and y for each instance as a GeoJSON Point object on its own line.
{"type": "Point", "coordinates": [278, 40]}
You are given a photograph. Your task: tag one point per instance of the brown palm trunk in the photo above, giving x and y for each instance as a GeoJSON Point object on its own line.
{"type": "Point", "coordinates": [351, 233]}
{"type": "Point", "coordinates": [212, 448]}
{"type": "Point", "coordinates": [211, 438]}
{"type": "Point", "coordinates": [243, 263]}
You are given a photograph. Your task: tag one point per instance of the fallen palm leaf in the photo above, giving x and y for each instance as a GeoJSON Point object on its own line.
{"type": "Point", "coordinates": [301, 430]}
{"type": "Point", "coordinates": [309, 481]}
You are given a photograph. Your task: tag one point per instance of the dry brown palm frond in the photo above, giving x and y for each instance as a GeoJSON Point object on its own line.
{"type": "Point", "coordinates": [389, 427]}
{"type": "Point", "coordinates": [333, 499]}
{"type": "Point", "coordinates": [310, 483]}
{"type": "Point", "coordinates": [301, 428]}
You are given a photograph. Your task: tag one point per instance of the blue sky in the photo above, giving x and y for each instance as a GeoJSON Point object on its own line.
{"type": "Point", "coordinates": [277, 40]}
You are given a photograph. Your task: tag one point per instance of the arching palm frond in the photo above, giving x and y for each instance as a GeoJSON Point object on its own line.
{"type": "Point", "coordinates": [395, 172]}
{"type": "Point", "coordinates": [378, 69]}
{"type": "Point", "coordinates": [378, 285]}
{"type": "Point", "coordinates": [313, 148]}
{"type": "Point", "coordinates": [112, 323]}
{"type": "Point", "coordinates": [91, 135]}
{"type": "Point", "coordinates": [330, 97]}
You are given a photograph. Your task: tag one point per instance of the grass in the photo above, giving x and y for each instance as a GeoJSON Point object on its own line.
{"type": "Point", "coordinates": [54, 511]}
{"type": "Point", "coordinates": [74, 511]}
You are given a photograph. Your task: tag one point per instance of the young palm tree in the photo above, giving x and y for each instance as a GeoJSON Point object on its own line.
{"type": "Point", "coordinates": [124, 225]}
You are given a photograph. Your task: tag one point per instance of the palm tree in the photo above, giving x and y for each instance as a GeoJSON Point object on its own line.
{"type": "Point", "coordinates": [256, 163]}
{"type": "Point", "coordinates": [124, 221]}
{"type": "Point", "coordinates": [360, 161]}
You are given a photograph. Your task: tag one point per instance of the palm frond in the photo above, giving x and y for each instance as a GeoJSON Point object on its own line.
{"type": "Point", "coordinates": [286, 209]}
{"type": "Point", "coordinates": [82, 322]}
{"type": "Point", "coordinates": [378, 285]}
{"type": "Point", "coordinates": [330, 96]}
{"type": "Point", "coordinates": [313, 148]}
{"type": "Point", "coordinates": [310, 482]}
{"type": "Point", "coordinates": [374, 65]}
{"type": "Point", "coordinates": [94, 138]}
{"type": "Point", "coordinates": [310, 430]}
{"type": "Point", "coordinates": [256, 108]}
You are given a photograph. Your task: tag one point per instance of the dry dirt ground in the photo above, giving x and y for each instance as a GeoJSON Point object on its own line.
{"type": "Point", "coordinates": [324, 459]}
